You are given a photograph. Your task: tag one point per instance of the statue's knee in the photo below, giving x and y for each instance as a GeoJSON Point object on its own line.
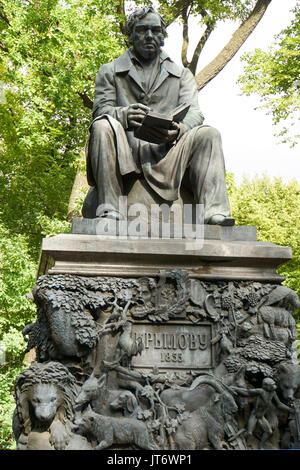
{"type": "Point", "coordinates": [208, 133]}
{"type": "Point", "coordinates": [101, 126]}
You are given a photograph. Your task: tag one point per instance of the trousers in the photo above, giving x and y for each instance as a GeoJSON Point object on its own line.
{"type": "Point", "coordinates": [196, 161]}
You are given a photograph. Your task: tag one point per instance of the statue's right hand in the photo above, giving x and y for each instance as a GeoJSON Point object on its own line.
{"type": "Point", "coordinates": [136, 113]}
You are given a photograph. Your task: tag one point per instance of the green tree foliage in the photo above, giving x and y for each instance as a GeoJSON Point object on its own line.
{"type": "Point", "coordinates": [50, 51]}
{"type": "Point", "coordinates": [273, 207]}
{"type": "Point", "coordinates": [275, 77]}
{"type": "Point", "coordinates": [17, 274]}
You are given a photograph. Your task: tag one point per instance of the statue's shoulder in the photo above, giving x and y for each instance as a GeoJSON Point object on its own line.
{"type": "Point", "coordinates": [173, 68]}
{"type": "Point", "coordinates": [120, 64]}
{"type": "Point", "coordinates": [123, 62]}
{"type": "Point", "coordinates": [183, 73]}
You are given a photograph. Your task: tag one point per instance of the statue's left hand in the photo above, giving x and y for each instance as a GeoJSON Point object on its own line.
{"type": "Point", "coordinates": [59, 437]}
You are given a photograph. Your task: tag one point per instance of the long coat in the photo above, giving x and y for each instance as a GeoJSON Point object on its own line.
{"type": "Point", "coordinates": [118, 84]}
{"type": "Point", "coordinates": [198, 152]}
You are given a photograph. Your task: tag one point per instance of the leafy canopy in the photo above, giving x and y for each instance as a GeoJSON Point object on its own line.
{"type": "Point", "coordinates": [273, 207]}
{"type": "Point", "coordinates": [51, 51]}
{"type": "Point", "coordinates": [275, 76]}
{"type": "Point", "coordinates": [209, 10]}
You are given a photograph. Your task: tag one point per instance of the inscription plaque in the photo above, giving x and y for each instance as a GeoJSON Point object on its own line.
{"type": "Point", "coordinates": [174, 346]}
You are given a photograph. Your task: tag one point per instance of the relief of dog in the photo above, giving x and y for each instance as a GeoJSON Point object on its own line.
{"type": "Point", "coordinates": [127, 403]}
{"type": "Point", "coordinates": [108, 430]}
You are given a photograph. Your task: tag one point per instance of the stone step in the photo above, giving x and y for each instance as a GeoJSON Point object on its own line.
{"type": "Point", "coordinates": [116, 228]}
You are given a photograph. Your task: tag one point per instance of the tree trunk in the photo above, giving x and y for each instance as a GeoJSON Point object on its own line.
{"type": "Point", "coordinates": [80, 182]}
{"type": "Point", "coordinates": [120, 9]}
{"type": "Point", "coordinates": [232, 47]}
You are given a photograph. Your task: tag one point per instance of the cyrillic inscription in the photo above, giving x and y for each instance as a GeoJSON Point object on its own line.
{"type": "Point", "coordinates": [173, 346]}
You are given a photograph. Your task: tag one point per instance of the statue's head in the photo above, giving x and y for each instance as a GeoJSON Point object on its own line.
{"type": "Point", "coordinates": [146, 31]}
{"type": "Point", "coordinates": [268, 384]}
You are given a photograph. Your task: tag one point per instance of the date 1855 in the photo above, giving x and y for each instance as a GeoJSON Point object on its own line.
{"type": "Point", "coordinates": [171, 357]}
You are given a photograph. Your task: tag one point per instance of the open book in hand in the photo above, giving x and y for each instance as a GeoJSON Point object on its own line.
{"type": "Point", "coordinates": [153, 119]}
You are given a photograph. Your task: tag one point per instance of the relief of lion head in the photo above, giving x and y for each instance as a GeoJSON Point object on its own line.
{"type": "Point", "coordinates": [43, 393]}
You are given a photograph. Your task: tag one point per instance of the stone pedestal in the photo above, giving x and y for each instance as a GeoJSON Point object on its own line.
{"type": "Point", "coordinates": [162, 343]}
{"type": "Point", "coordinates": [231, 253]}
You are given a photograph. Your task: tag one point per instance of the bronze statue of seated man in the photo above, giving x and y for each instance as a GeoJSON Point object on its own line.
{"type": "Point", "coordinates": [187, 154]}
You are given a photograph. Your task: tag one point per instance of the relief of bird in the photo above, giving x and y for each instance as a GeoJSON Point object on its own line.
{"type": "Point", "coordinates": [128, 345]}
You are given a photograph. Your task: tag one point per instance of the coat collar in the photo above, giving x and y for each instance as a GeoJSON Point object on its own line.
{"type": "Point", "coordinates": [168, 67]}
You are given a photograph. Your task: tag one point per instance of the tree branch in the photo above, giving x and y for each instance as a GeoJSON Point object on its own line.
{"type": "Point", "coordinates": [185, 36]}
{"type": "Point", "coordinates": [198, 49]}
{"type": "Point", "coordinates": [85, 99]}
{"type": "Point", "coordinates": [178, 9]}
{"type": "Point", "coordinates": [120, 8]}
{"type": "Point", "coordinates": [3, 48]}
{"type": "Point", "coordinates": [3, 15]}
{"type": "Point", "coordinates": [232, 47]}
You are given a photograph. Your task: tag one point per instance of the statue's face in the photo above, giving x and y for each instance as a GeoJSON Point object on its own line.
{"type": "Point", "coordinates": [269, 385]}
{"type": "Point", "coordinates": [147, 37]}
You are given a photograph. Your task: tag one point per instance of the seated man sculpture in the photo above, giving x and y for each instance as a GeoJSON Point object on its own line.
{"type": "Point", "coordinates": [144, 78]}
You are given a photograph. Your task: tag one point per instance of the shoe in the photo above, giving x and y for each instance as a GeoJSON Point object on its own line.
{"type": "Point", "coordinates": [219, 219]}
{"type": "Point", "coordinates": [115, 215]}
